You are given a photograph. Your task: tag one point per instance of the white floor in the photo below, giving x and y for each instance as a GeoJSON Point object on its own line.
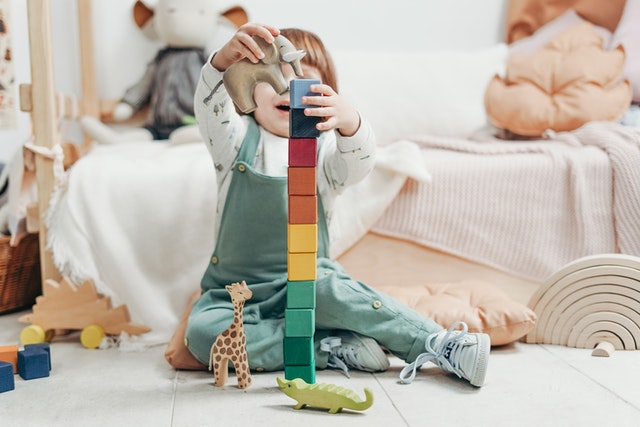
{"type": "Point", "coordinates": [527, 385]}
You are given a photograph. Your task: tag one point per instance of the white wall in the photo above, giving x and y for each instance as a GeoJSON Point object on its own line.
{"type": "Point", "coordinates": [374, 25]}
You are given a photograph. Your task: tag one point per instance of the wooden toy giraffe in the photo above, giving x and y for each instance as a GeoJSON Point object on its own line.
{"type": "Point", "coordinates": [231, 345]}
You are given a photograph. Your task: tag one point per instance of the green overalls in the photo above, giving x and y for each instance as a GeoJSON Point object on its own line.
{"type": "Point", "coordinates": [252, 246]}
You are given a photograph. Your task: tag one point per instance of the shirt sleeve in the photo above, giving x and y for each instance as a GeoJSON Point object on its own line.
{"type": "Point", "coordinates": [349, 159]}
{"type": "Point", "coordinates": [220, 125]}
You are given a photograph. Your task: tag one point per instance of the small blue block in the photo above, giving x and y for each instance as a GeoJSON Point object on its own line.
{"type": "Point", "coordinates": [7, 381]}
{"type": "Point", "coordinates": [301, 126]}
{"type": "Point", "coordinates": [43, 346]}
{"type": "Point", "coordinates": [300, 88]}
{"type": "Point", "coordinates": [33, 364]}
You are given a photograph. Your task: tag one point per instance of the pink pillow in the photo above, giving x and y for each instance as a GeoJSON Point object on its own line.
{"type": "Point", "coordinates": [628, 35]}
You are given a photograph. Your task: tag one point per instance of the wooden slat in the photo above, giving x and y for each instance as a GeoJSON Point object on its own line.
{"type": "Point", "coordinates": [43, 115]}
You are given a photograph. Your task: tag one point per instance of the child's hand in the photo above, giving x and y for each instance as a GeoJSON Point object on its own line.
{"type": "Point", "coordinates": [242, 45]}
{"type": "Point", "coordinates": [335, 110]}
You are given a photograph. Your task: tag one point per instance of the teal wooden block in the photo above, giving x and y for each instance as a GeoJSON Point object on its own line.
{"type": "Point", "coordinates": [298, 351]}
{"type": "Point", "coordinates": [301, 294]}
{"type": "Point", "coordinates": [7, 381]}
{"type": "Point", "coordinates": [306, 372]}
{"type": "Point", "coordinates": [299, 322]}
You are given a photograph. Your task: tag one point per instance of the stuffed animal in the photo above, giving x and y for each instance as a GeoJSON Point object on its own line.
{"type": "Point", "coordinates": [187, 27]}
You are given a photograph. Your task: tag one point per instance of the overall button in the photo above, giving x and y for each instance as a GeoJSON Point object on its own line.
{"type": "Point", "coordinates": [376, 304]}
{"type": "Point", "coordinates": [214, 259]}
{"type": "Point", "coordinates": [242, 168]}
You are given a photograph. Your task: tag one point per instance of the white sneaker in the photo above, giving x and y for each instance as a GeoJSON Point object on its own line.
{"type": "Point", "coordinates": [350, 350]}
{"type": "Point", "coordinates": [457, 351]}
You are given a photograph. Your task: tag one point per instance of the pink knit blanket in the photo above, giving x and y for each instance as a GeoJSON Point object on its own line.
{"type": "Point", "coordinates": [527, 208]}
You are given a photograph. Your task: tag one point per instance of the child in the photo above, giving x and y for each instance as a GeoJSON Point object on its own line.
{"type": "Point", "coordinates": [250, 154]}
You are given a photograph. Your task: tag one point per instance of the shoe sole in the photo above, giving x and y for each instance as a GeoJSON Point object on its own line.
{"type": "Point", "coordinates": [482, 358]}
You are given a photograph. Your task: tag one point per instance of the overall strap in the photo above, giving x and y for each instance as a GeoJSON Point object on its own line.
{"type": "Point", "coordinates": [250, 142]}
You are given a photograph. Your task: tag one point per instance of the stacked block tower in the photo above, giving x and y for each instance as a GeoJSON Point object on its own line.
{"type": "Point", "coordinates": [302, 234]}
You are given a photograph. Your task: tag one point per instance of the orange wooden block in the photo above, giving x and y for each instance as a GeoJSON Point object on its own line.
{"type": "Point", "coordinates": [303, 209]}
{"type": "Point", "coordinates": [9, 354]}
{"type": "Point", "coordinates": [301, 266]}
{"type": "Point", "coordinates": [302, 181]}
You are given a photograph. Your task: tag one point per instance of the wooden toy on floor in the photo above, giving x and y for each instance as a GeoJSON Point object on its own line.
{"type": "Point", "coordinates": [9, 354]}
{"type": "Point", "coordinates": [33, 364]}
{"type": "Point", "coordinates": [593, 302]}
{"type": "Point", "coordinates": [67, 306]}
{"type": "Point", "coordinates": [34, 361]}
{"type": "Point", "coordinates": [231, 345]}
{"type": "Point", "coordinates": [7, 382]}
{"type": "Point", "coordinates": [329, 396]}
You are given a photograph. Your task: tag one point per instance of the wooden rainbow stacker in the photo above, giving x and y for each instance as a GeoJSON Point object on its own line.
{"type": "Point", "coordinates": [302, 232]}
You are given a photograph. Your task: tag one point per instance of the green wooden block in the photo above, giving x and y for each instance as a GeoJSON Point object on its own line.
{"type": "Point", "coordinates": [299, 322]}
{"type": "Point", "coordinates": [299, 351]}
{"type": "Point", "coordinates": [306, 372]}
{"type": "Point", "coordinates": [301, 294]}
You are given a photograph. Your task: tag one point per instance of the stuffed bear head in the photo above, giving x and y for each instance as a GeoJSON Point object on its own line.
{"type": "Point", "coordinates": [184, 23]}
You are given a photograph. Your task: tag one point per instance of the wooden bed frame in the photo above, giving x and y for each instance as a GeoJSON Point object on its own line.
{"type": "Point", "coordinates": [47, 106]}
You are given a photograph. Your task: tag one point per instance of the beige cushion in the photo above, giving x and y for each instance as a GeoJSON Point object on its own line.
{"type": "Point", "coordinates": [568, 82]}
{"type": "Point", "coordinates": [484, 307]}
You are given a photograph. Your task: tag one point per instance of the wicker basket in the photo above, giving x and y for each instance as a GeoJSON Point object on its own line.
{"type": "Point", "coordinates": [20, 281]}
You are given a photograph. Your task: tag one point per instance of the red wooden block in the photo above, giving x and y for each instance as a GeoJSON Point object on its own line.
{"type": "Point", "coordinates": [302, 181]}
{"type": "Point", "coordinates": [302, 152]}
{"type": "Point", "coordinates": [303, 210]}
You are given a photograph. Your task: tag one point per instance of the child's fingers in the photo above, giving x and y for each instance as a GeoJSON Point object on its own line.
{"type": "Point", "coordinates": [249, 48]}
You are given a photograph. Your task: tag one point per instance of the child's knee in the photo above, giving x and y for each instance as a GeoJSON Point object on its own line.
{"type": "Point", "coordinates": [200, 334]}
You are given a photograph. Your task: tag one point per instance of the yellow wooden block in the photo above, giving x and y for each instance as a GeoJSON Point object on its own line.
{"type": "Point", "coordinates": [302, 266]}
{"type": "Point", "coordinates": [303, 237]}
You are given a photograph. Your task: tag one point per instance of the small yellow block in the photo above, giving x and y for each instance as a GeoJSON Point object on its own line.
{"type": "Point", "coordinates": [302, 266]}
{"type": "Point", "coordinates": [303, 237]}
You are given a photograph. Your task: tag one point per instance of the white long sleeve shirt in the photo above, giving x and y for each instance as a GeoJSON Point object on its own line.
{"type": "Point", "coordinates": [342, 161]}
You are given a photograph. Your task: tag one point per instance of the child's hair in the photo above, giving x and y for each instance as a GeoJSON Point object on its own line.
{"type": "Point", "coordinates": [317, 55]}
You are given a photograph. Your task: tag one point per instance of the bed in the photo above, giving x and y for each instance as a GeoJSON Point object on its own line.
{"type": "Point", "coordinates": [447, 201]}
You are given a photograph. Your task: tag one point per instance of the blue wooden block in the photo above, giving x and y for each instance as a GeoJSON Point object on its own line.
{"type": "Point", "coordinates": [300, 88]}
{"type": "Point", "coordinates": [33, 364]}
{"type": "Point", "coordinates": [43, 346]}
{"type": "Point", "coordinates": [7, 381]}
{"type": "Point", "coordinates": [301, 126]}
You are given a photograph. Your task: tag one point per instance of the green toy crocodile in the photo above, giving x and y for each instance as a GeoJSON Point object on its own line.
{"type": "Point", "coordinates": [328, 396]}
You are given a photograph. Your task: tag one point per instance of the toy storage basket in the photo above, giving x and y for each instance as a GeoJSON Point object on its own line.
{"type": "Point", "coordinates": [20, 281]}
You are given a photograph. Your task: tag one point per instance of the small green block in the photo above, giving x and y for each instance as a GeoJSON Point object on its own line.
{"type": "Point", "coordinates": [301, 294]}
{"type": "Point", "coordinates": [299, 322]}
{"type": "Point", "coordinates": [298, 351]}
{"type": "Point", "coordinates": [306, 372]}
